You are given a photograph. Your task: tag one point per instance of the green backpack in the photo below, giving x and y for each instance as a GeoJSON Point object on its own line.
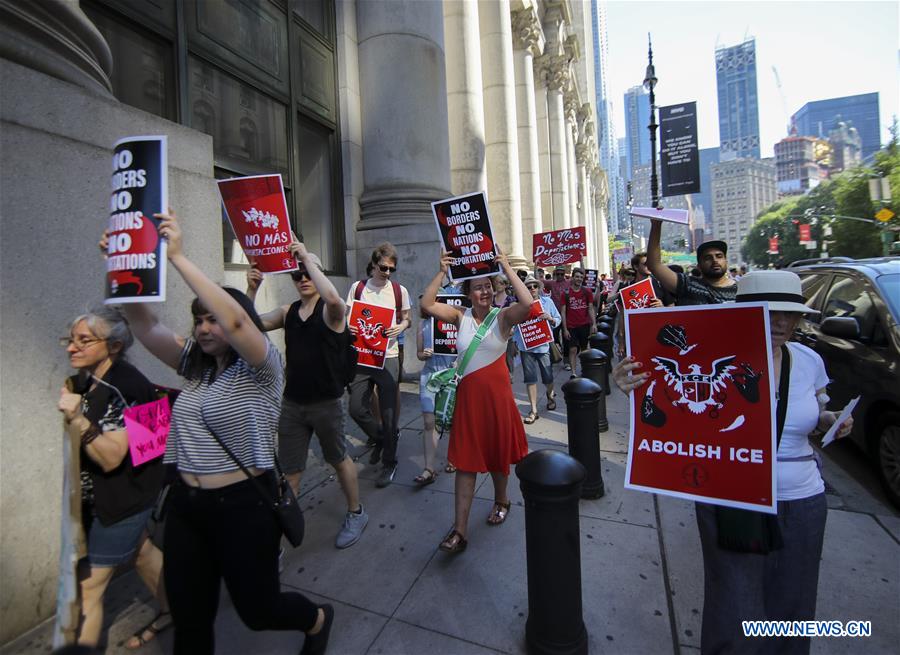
{"type": "Point", "coordinates": [443, 383]}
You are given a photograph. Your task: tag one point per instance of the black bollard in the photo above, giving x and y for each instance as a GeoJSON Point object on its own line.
{"type": "Point", "coordinates": [551, 483]}
{"type": "Point", "coordinates": [602, 342]}
{"type": "Point", "coordinates": [595, 367]}
{"type": "Point", "coordinates": [604, 327]}
{"type": "Point", "coordinates": [582, 397]}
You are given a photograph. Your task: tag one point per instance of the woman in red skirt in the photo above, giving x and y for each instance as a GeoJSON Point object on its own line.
{"type": "Point", "coordinates": [487, 434]}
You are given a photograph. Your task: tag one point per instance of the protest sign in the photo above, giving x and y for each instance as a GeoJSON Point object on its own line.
{"type": "Point", "coordinates": [622, 256]}
{"type": "Point", "coordinates": [559, 247]}
{"type": "Point", "coordinates": [443, 335]}
{"type": "Point", "coordinates": [679, 158]}
{"type": "Point", "coordinates": [639, 295]}
{"type": "Point", "coordinates": [535, 331]}
{"type": "Point", "coordinates": [703, 424]}
{"type": "Point", "coordinates": [680, 216]}
{"type": "Point", "coordinates": [147, 427]}
{"type": "Point", "coordinates": [590, 278]}
{"type": "Point", "coordinates": [257, 211]}
{"type": "Point", "coordinates": [464, 226]}
{"type": "Point", "coordinates": [136, 255]}
{"type": "Point", "coordinates": [370, 322]}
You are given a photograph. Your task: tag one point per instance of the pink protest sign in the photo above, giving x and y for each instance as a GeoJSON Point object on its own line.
{"type": "Point", "coordinates": [148, 430]}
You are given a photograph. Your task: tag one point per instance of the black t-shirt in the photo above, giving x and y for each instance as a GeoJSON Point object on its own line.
{"type": "Point", "coordinates": [314, 357]}
{"type": "Point", "coordinates": [696, 291]}
{"type": "Point", "coordinates": [127, 489]}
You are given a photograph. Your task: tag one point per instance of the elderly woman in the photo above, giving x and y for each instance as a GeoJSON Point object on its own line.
{"type": "Point", "coordinates": [487, 434]}
{"type": "Point", "coordinates": [117, 497]}
{"type": "Point", "coordinates": [779, 582]}
{"type": "Point", "coordinates": [537, 360]}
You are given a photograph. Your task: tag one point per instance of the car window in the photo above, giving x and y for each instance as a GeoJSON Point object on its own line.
{"type": "Point", "coordinates": [848, 297]}
{"type": "Point", "coordinates": [813, 285]}
{"type": "Point", "coordinates": [890, 291]}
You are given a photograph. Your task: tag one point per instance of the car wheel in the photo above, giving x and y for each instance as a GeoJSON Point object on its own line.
{"type": "Point", "coordinates": [889, 455]}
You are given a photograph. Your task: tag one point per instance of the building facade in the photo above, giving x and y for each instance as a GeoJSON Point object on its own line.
{"type": "Point", "coordinates": [702, 201]}
{"type": "Point", "coordinates": [369, 110]}
{"type": "Point", "coordinates": [738, 100]}
{"type": "Point", "coordinates": [846, 147]}
{"type": "Point", "coordinates": [637, 136]}
{"type": "Point", "coordinates": [861, 111]}
{"type": "Point", "coordinates": [741, 188]}
{"type": "Point", "coordinates": [796, 165]}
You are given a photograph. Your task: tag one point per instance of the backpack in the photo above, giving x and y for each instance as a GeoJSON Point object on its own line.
{"type": "Point", "coordinates": [398, 295]}
{"type": "Point", "coordinates": [349, 357]}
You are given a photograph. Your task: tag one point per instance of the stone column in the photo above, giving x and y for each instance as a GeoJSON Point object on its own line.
{"type": "Point", "coordinates": [570, 106]}
{"type": "Point", "coordinates": [528, 41]}
{"type": "Point", "coordinates": [599, 198]}
{"type": "Point", "coordinates": [501, 140]}
{"type": "Point", "coordinates": [543, 141]}
{"type": "Point", "coordinates": [464, 96]}
{"type": "Point", "coordinates": [556, 76]}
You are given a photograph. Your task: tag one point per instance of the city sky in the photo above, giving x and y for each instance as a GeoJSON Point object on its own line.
{"type": "Point", "coordinates": [821, 49]}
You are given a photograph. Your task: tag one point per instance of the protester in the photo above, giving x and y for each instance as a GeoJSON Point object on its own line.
{"type": "Point", "coordinates": [117, 497]}
{"type": "Point", "coordinates": [381, 290]}
{"type": "Point", "coordinates": [556, 288]}
{"type": "Point", "coordinates": [487, 433]}
{"type": "Point", "coordinates": [218, 527]}
{"type": "Point", "coordinates": [537, 360]}
{"type": "Point", "coordinates": [639, 264]}
{"type": "Point", "coordinates": [502, 298]}
{"type": "Point", "coordinates": [714, 284]}
{"type": "Point", "coordinates": [316, 339]}
{"type": "Point", "coordinates": [747, 577]}
{"type": "Point", "coordinates": [578, 321]}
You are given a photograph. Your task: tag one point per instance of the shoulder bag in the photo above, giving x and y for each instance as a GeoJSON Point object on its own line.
{"type": "Point", "coordinates": [443, 383]}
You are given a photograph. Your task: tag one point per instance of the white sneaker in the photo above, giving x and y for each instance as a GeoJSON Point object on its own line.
{"type": "Point", "coordinates": [352, 529]}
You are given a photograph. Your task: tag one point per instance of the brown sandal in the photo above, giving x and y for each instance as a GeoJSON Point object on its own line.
{"type": "Point", "coordinates": [454, 542]}
{"type": "Point", "coordinates": [498, 513]}
{"type": "Point", "coordinates": [449, 468]}
{"type": "Point", "coordinates": [428, 476]}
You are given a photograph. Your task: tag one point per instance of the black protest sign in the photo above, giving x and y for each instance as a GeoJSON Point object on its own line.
{"type": "Point", "coordinates": [679, 157]}
{"type": "Point", "coordinates": [590, 278]}
{"type": "Point", "coordinates": [136, 255]}
{"type": "Point", "coordinates": [465, 230]}
{"type": "Point", "coordinates": [443, 335]}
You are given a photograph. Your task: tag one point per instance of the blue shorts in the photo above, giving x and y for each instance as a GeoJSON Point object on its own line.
{"type": "Point", "coordinates": [111, 545]}
{"type": "Point", "coordinates": [426, 397]}
{"type": "Point", "coordinates": [532, 363]}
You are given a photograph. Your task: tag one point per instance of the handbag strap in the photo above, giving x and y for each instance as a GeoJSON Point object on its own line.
{"type": "Point", "coordinates": [784, 382]}
{"type": "Point", "coordinates": [476, 341]}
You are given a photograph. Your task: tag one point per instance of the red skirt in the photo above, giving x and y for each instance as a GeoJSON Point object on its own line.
{"type": "Point", "coordinates": [487, 434]}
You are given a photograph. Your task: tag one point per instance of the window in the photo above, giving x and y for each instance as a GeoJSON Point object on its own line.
{"type": "Point", "coordinates": [848, 297]}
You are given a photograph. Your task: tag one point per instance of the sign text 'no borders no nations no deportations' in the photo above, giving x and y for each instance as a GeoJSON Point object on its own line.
{"type": "Point", "coordinates": [465, 230]}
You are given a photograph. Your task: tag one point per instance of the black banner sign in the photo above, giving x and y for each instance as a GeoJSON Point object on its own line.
{"type": "Point", "coordinates": [679, 157]}
{"type": "Point", "coordinates": [443, 335]}
{"type": "Point", "coordinates": [465, 228]}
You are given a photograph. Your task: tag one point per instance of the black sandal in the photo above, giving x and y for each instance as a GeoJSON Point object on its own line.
{"type": "Point", "coordinates": [454, 543]}
{"type": "Point", "coordinates": [531, 418]}
{"type": "Point", "coordinates": [551, 401]}
{"type": "Point", "coordinates": [150, 629]}
{"type": "Point", "coordinates": [424, 480]}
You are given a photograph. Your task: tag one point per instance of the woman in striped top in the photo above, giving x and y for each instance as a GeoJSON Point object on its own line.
{"type": "Point", "coordinates": [218, 526]}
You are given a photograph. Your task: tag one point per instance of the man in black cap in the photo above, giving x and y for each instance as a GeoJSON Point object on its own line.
{"type": "Point", "coordinates": [714, 285]}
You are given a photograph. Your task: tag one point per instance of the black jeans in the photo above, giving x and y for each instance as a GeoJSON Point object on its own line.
{"type": "Point", "coordinates": [230, 534]}
{"type": "Point", "coordinates": [361, 389]}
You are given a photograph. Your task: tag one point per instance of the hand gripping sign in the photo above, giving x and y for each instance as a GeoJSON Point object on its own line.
{"type": "Point", "coordinates": [258, 214]}
{"type": "Point", "coordinates": [147, 426]}
{"type": "Point", "coordinates": [370, 322]}
{"type": "Point", "coordinates": [464, 226]}
{"type": "Point", "coordinates": [559, 247]}
{"type": "Point", "coordinates": [703, 424]}
{"type": "Point", "coordinates": [136, 256]}
{"type": "Point", "coordinates": [443, 335]}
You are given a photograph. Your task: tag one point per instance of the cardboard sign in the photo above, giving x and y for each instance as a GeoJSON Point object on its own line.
{"type": "Point", "coordinates": [622, 256]}
{"type": "Point", "coordinates": [590, 278]}
{"type": "Point", "coordinates": [136, 255]}
{"type": "Point", "coordinates": [443, 335]}
{"type": "Point", "coordinates": [535, 331]}
{"type": "Point", "coordinates": [371, 321]}
{"type": "Point", "coordinates": [464, 226]}
{"type": "Point", "coordinates": [703, 425]}
{"type": "Point", "coordinates": [147, 426]}
{"type": "Point", "coordinates": [679, 158]}
{"type": "Point", "coordinates": [680, 216]}
{"type": "Point", "coordinates": [257, 211]}
{"type": "Point", "coordinates": [639, 295]}
{"type": "Point", "coordinates": [559, 247]}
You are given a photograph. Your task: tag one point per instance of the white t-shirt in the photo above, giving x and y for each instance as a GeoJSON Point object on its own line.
{"type": "Point", "coordinates": [383, 297]}
{"type": "Point", "coordinates": [798, 480]}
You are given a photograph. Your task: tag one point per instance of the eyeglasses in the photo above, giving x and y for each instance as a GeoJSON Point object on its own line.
{"type": "Point", "coordinates": [80, 344]}
{"type": "Point", "coordinates": [297, 276]}
{"type": "Point", "coordinates": [533, 286]}
{"type": "Point", "coordinates": [387, 269]}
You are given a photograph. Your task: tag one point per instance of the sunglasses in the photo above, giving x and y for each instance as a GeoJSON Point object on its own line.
{"type": "Point", "coordinates": [533, 286]}
{"type": "Point", "coordinates": [297, 276]}
{"type": "Point", "coordinates": [387, 269]}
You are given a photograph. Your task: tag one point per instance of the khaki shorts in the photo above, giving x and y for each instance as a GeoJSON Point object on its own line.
{"type": "Point", "coordinates": [297, 425]}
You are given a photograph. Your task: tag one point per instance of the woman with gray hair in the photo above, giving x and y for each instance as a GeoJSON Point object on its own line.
{"type": "Point", "coordinates": [117, 497]}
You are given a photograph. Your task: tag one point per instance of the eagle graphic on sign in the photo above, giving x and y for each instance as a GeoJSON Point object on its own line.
{"type": "Point", "coordinates": [697, 389]}
{"type": "Point", "coordinates": [371, 333]}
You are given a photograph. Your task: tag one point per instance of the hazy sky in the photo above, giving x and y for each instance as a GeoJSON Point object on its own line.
{"type": "Point", "coordinates": [821, 49]}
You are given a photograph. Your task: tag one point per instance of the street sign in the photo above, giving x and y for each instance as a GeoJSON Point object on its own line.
{"type": "Point", "coordinates": [884, 215]}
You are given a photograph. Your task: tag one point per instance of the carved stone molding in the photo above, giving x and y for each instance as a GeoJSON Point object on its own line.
{"type": "Point", "coordinates": [554, 71]}
{"type": "Point", "coordinates": [527, 31]}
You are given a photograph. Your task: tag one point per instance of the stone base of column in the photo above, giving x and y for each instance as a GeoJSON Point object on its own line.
{"type": "Point", "coordinates": [388, 208]}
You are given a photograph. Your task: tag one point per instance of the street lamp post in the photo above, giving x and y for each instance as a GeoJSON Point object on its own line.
{"type": "Point", "coordinates": [650, 81]}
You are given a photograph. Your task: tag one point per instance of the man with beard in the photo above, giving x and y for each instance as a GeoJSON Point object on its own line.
{"type": "Point", "coordinates": [714, 285]}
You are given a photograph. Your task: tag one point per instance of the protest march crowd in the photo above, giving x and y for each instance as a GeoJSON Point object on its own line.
{"type": "Point", "coordinates": [241, 425]}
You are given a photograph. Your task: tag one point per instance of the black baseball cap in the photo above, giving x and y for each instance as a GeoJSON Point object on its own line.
{"type": "Point", "coordinates": [718, 245]}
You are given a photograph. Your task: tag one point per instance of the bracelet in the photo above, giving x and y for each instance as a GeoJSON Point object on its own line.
{"type": "Point", "coordinates": [92, 432]}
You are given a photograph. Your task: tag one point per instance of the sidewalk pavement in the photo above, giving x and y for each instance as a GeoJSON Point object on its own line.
{"type": "Point", "coordinates": [642, 576]}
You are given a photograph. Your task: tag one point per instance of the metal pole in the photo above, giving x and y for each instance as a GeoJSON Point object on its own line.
{"type": "Point", "coordinates": [650, 82]}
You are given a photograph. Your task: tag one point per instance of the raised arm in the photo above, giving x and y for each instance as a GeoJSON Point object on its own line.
{"type": "Point", "coordinates": [335, 308]}
{"type": "Point", "coordinates": [519, 311]}
{"type": "Point", "coordinates": [666, 276]}
{"type": "Point", "coordinates": [429, 303]}
{"type": "Point", "coordinates": [239, 330]}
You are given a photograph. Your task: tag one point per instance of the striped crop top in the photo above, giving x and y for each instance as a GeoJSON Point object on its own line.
{"type": "Point", "coordinates": [241, 405]}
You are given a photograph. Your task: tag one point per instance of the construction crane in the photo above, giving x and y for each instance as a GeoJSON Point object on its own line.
{"type": "Point", "coordinates": [787, 119]}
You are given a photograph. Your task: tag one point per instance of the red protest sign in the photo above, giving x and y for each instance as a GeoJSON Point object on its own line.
{"type": "Point", "coordinates": [465, 230]}
{"type": "Point", "coordinates": [559, 247]}
{"type": "Point", "coordinates": [805, 232]}
{"type": "Point", "coordinates": [639, 295]}
{"type": "Point", "coordinates": [370, 322]}
{"type": "Point", "coordinates": [258, 214]}
{"type": "Point", "coordinates": [703, 425]}
{"type": "Point", "coordinates": [535, 331]}
{"type": "Point", "coordinates": [773, 245]}
{"type": "Point", "coordinates": [147, 427]}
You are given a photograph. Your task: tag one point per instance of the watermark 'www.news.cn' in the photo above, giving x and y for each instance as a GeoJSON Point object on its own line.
{"type": "Point", "coordinates": [807, 628]}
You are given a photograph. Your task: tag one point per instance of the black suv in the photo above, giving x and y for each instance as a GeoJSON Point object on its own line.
{"type": "Point", "coordinates": [857, 333]}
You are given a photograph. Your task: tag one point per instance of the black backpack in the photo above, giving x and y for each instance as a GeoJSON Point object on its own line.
{"type": "Point", "coordinates": [349, 357]}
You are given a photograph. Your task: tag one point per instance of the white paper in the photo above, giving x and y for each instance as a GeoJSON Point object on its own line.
{"type": "Point", "coordinates": [845, 414]}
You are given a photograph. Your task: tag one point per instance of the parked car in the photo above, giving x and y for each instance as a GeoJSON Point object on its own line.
{"type": "Point", "coordinates": [857, 333]}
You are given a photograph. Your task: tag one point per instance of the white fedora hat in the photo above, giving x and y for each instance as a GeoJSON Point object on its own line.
{"type": "Point", "coordinates": [781, 289]}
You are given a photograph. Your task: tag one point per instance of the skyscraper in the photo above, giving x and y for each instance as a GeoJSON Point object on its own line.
{"type": "Point", "coordinates": [703, 199]}
{"type": "Point", "coordinates": [819, 117]}
{"type": "Point", "coordinates": [738, 101]}
{"type": "Point", "coordinates": [741, 188]}
{"type": "Point", "coordinates": [637, 136]}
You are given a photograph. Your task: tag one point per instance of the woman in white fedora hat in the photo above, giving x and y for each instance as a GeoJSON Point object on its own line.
{"type": "Point", "coordinates": [756, 566]}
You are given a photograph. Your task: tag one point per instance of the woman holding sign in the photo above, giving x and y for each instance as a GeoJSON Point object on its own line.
{"type": "Point", "coordinates": [537, 359]}
{"type": "Point", "coordinates": [487, 434]}
{"type": "Point", "coordinates": [117, 497]}
{"type": "Point", "coordinates": [218, 525]}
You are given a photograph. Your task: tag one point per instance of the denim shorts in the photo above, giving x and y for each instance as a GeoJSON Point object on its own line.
{"type": "Point", "coordinates": [532, 363]}
{"type": "Point", "coordinates": [426, 397]}
{"type": "Point", "coordinates": [297, 425]}
{"type": "Point", "coordinates": [112, 545]}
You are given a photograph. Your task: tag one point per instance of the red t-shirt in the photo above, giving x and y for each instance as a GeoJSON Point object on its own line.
{"type": "Point", "coordinates": [578, 305]}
